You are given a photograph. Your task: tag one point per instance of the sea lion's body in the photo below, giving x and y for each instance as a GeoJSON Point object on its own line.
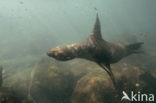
{"type": "Point", "coordinates": [96, 49]}
{"type": "Point", "coordinates": [101, 51]}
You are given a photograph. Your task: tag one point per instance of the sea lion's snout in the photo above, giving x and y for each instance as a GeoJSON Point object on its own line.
{"type": "Point", "coordinates": [50, 53]}
{"type": "Point", "coordinates": [61, 54]}
{"type": "Point", "coordinates": [53, 52]}
{"type": "Point", "coordinates": [56, 53]}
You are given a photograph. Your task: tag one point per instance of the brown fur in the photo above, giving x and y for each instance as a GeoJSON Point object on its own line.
{"type": "Point", "coordinates": [95, 49]}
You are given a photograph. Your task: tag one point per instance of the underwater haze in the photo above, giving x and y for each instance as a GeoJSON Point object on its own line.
{"type": "Point", "coordinates": [29, 28]}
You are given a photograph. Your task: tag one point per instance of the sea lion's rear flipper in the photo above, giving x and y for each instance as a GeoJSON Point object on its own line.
{"type": "Point", "coordinates": [134, 48]}
{"type": "Point", "coordinates": [97, 27]}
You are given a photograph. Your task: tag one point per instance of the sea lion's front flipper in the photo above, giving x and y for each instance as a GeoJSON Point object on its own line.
{"type": "Point", "coordinates": [107, 68]}
{"type": "Point", "coordinates": [97, 27]}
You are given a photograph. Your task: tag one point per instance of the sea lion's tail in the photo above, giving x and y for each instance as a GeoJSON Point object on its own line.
{"type": "Point", "coordinates": [134, 48]}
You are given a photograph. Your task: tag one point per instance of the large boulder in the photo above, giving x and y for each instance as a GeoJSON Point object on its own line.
{"type": "Point", "coordinates": [98, 88]}
{"type": "Point", "coordinates": [52, 82]}
{"type": "Point", "coordinates": [94, 89]}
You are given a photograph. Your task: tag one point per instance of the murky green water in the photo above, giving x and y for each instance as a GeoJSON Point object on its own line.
{"type": "Point", "coordinates": [28, 29]}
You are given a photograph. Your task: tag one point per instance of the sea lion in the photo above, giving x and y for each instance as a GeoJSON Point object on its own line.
{"type": "Point", "coordinates": [96, 49]}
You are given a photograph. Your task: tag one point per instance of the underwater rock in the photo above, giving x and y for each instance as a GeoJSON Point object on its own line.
{"type": "Point", "coordinates": [1, 77]}
{"type": "Point", "coordinates": [129, 79]}
{"type": "Point", "coordinates": [98, 89]}
{"type": "Point", "coordinates": [59, 82]}
{"type": "Point", "coordinates": [6, 96]}
{"type": "Point", "coordinates": [52, 82]}
{"type": "Point", "coordinates": [94, 89]}
{"type": "Point", "coordinates": [150, 83]}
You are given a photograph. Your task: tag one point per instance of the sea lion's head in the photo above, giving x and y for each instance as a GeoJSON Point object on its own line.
{"type": "Point", "coordinates": [61, 54]}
